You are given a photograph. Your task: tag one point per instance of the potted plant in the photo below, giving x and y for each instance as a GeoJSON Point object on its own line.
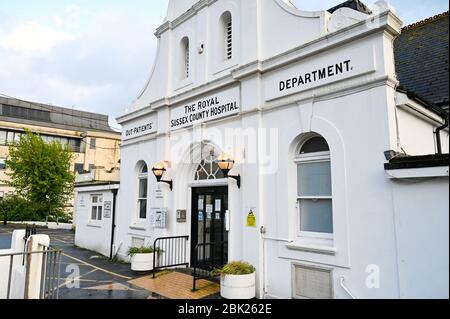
{"type": "Point", "coordinates": [237, 280]}
{"type": "Point", "coordinates": [142, 258]}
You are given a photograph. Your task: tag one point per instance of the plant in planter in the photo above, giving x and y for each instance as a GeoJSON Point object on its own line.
{"type": "Point", "coordinates": [237, 280]}
{"type": "Point", "coordinates": [142, 258]}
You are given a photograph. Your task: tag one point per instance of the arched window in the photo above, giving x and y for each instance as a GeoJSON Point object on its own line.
{"type": "Point", "coordinates": [185, 58]}
{"type": "Point", "coordinates": [227, 36]}
{"type": "Point", "coordinates": [208, 168]}
{"type": "Point", "coordinates": [314, 192]}
{"type": "Point", "coordinates": [143, 192]}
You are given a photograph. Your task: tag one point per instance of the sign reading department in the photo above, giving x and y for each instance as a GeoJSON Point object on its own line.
{"type": "Point", "coordinates": [324, 69]}
{"type": "Point", "coordinates": [213, 107]}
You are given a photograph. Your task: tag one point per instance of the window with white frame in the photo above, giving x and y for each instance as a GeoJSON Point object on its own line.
{"type": "Point", "coordinates": [143, 192]}
{"type": "Point", "coordinates": [185, 58]}
{"type": "Point", "coordinates": [314, 191]}
{"type": "Point", "coordinates": [96, 207]}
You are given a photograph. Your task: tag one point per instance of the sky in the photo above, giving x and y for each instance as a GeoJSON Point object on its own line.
{"type": "Point", "coordinates": [97, 55]}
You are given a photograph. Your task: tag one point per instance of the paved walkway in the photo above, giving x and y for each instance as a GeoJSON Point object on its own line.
{"type": "Point", "coordinates": [87, 275]}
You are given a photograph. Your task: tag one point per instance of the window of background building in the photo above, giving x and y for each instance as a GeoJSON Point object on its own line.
{"type": "Point", "coordinates": [2, 163]}
{"type": "Point", "coordinates": [3, 134]}
{"type": "Point", "coordinates": [10, 137]}
{"type": "Point", "coordinates": [93, 143]}
{"type": "Point", "coordinates": [25, 113]}
{"type": "Point", "coordinates": [79, 168]}
{"type": "Point", "coordinates": [143, 192]}
{"type": "Point", "coordinates": [75, 145]}
{"type": "Point", "coordinates": [96, 207]}
{"type": "Point", "coordinates": [314, 192]}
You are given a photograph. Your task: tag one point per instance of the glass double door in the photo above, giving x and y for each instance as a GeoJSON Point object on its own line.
{"type": "Point", "coordinates": [209, 235]}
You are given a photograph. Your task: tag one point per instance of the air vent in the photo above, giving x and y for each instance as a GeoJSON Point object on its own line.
{"type": "Point", "coordinates": [137, 242]}
{"type": "Point", "coordinates": [229, 40]}
{"type": "Point", "coordinates": [312, 282]}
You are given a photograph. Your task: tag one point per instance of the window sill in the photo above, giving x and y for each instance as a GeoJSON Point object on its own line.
{"type": "Point", "coordinates": [324, 247]}
{"type": "Point", "coordinates": [94, 224]}
{"type": "Point", "coordinates": [138, 226]}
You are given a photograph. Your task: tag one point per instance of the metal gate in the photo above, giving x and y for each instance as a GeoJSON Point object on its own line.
{"type": "Point", "coordinates": [48, 280]}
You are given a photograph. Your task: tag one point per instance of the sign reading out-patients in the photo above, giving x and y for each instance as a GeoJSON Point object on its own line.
{"type": "Point", "coordinates": [315, 72]}
{"type": "Point", "coordinates": [213, 107]}
{"type": "Point", "coordinates": [139, 129]}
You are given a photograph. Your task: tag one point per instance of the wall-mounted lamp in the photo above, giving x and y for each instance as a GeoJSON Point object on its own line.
{"type": "Point", "coordinates": [159, 170]}
{"type": "Point", "coordinates": [226, 164]}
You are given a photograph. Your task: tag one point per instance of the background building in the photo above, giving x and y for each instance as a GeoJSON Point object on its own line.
{"type": "Point", "coordinates": [93, 141]}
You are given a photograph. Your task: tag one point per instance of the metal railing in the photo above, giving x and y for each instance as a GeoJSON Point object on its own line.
{"type": "Point", "coordinates": [49, 272]}
{"type": "Point", "coordinates": [170, 252]}
{"type": "Point", "coordinates": [205, 261]}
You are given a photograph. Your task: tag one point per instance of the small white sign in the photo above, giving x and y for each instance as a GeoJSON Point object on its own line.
{"type": "Point", "coordinates": [82, 202]}
{"type": "Point", "coordinates": [107, 209]}
{"type": "Point", "coordinates": [200, 204]}
{"type": "Point", "coordinates": [218, 205]}
{"type": "Point", "coordinates": [158, 193]}
{"type": "Point", "coordinates": [159, 218]}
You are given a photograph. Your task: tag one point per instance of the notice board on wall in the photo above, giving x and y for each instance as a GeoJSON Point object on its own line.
{"type": "Point", "coordinates": [159, 218]}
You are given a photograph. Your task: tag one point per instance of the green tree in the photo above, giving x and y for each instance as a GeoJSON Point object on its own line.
{"type": "Point", "coordinates": [41, 174]}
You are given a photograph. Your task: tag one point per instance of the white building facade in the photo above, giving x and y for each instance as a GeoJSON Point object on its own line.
{"type": "Point", "coordinates": [306, 104]}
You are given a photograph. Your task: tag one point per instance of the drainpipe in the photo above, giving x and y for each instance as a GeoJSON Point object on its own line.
{"type": "Point", "coordinates": [438, 135]}
{"type": "Point", "coordinates": [113, 226]}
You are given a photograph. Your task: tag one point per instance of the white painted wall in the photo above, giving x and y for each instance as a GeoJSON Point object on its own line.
{"type": "Point", "coordinates": [421, 224]}
{"type": "Point", "coordinates": [91, 234]}
{"type": "Point", "coordinates": [18, 269]}
{"type": "Point", "coordinates": [356, 113]}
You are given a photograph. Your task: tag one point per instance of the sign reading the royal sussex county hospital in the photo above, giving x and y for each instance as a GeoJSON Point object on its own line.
{"type": "Point", "coordinates": [212, 107]}
{"type": "Point", "coordinates": [314, 72]}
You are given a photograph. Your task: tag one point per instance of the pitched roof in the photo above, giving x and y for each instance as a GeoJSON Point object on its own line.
{"type": "Point", "coordinates": [421, 59]}
{"type": "Point", "coordinates": [352, 4]}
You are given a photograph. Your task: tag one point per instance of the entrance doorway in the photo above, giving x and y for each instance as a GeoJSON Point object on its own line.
{"type": "Point", "coordinates": [209, 235]}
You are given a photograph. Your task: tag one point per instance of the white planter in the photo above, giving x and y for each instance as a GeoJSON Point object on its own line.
{"type": "Point", "coordinates": [142, 262]}
{"type": "Point", "coordinates": [238, 286]}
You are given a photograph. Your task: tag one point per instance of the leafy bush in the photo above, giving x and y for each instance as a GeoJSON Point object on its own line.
{"type": "Point", "coordinates": [143, 250]}
{"type": "Point", "coordinates": [17, 209]}
{"type": "Point", "coordinates": [235, 268]}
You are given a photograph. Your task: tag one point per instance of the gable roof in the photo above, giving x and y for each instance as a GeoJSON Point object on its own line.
{"type": "Point", "coordinates": [421, 59]}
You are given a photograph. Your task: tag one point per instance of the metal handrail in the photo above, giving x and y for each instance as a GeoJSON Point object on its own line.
{"type": "Point", "coordinates": [196, 276]}
{"type": "Point", "coordinates": [50, 271]}
{"type": "Point", "coordinates": [174, 250]}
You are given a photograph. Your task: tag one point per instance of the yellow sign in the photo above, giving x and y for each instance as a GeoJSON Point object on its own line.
{"type": "Point", "coordinates": [251, 219]}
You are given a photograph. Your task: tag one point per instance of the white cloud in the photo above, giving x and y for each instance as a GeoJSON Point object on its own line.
{"type": "Point", "coordinates": [33, 38]}
{"type": "Point", "coordinates": [99, 67]}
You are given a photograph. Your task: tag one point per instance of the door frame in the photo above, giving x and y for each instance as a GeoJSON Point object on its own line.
{"type": "Point", "coordinates": [223, 189]}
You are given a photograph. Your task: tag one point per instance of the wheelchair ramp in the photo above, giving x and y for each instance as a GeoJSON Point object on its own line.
{"type": "Point", "coordinates": [175, 285]}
